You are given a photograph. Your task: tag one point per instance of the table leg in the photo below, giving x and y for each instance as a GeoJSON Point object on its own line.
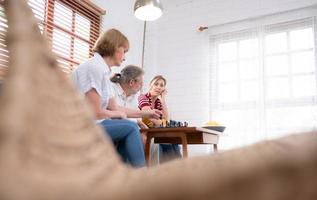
{"type": "Point", "coordinates": [184, 143]}
{"type": "Point", "coordinates": [148, 150]}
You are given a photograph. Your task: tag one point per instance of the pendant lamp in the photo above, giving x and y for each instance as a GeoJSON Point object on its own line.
{"type": "Point", "coordinates": [148, 10]}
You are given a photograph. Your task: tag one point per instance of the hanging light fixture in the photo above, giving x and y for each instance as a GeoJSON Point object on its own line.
{"type": "Point", "coordinates": [148, 10]}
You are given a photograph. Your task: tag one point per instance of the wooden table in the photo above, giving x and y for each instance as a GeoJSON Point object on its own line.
{"type": "Point", "coordinates": [180, 135]}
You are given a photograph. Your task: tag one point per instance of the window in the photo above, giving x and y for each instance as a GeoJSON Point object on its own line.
{"type": "Point", "coordinates": [72, 27]}
{"type": "Point", "coordinates": [263, 81]}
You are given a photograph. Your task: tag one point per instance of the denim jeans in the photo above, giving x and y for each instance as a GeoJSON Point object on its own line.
{"type": "Point", "coordinates": [127, 136]}
{"type": "Point", "coordinates": [169, 152]}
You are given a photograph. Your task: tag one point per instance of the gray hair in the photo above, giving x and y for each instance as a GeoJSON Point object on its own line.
{"type": "Point", "coordinates": [128, 73]}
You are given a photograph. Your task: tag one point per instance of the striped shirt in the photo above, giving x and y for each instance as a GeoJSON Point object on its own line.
{"type": "Point", "coordinates": [145, 100]}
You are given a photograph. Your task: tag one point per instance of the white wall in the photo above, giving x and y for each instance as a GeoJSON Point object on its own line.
{"type": "Point", "coordinates": [119, 15]}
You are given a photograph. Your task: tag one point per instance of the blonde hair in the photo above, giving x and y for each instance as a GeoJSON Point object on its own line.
{"type": "Point", "coordinates": [109, 41]}
{"type": "Point", "coordinates": [156, 78]}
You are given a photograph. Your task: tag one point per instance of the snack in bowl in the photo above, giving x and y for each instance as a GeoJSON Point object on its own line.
{"type": "Point", "coordinates": [213, 125]}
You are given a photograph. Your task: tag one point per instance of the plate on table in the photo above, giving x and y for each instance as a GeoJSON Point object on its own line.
{"type": "Point", "coordinates": [215, 128]}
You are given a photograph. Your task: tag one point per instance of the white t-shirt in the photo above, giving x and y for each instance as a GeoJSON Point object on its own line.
{"type": "Point", "coordinates": [122, 99]}
{"type": "Point", "coordinates": [94, 73]}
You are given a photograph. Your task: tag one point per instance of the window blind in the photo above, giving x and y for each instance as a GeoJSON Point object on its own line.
{"type": "Point", "coordinates": [71, 27]}
{"type": "Point", "coordinates": [3, 48]}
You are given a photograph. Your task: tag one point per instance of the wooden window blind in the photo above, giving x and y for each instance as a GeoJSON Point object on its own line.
{"type": "Point", "coordinates": [71, 27]}
{"type": "Point", "coordinates": [3, 48]}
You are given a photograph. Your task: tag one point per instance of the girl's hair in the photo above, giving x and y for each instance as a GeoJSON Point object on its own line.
{"type": "Point", "coordinates": [109, 41]}
{"type": "Point", "coordinates": [156, 78]}
{"type": "Point", "coordinates": [127, 74]}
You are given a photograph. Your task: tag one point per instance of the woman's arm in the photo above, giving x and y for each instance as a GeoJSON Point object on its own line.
{"type": "Point", "coordinates": [95, 101]}
{"type": "Point", "coordinates": [164, 105]}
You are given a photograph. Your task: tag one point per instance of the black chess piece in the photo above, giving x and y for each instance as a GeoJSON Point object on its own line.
{"type": "Point", "coordinates": [173, 124]}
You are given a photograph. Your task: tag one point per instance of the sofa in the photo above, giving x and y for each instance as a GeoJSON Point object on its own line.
{"type": "Point", "coordinates": [50, 147]}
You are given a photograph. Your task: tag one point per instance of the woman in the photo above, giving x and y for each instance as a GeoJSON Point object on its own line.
{"type": "Point", "coordinates": [155, 99]}
{"type": "Point", "coordinates": [93, 80]}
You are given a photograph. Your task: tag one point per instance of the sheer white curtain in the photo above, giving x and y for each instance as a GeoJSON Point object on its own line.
{"type": "Point", "coordinates": [264, 81]}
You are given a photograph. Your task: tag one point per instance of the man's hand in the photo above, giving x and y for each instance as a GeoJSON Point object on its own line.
{"type": "Point", "coordinates": [152, 113]}
{"type": "Point", "coordinates": [117, 114]}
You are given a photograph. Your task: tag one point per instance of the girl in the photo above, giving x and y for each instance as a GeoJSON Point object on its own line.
{"type": "Point", "coordinates": [155, 99]}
